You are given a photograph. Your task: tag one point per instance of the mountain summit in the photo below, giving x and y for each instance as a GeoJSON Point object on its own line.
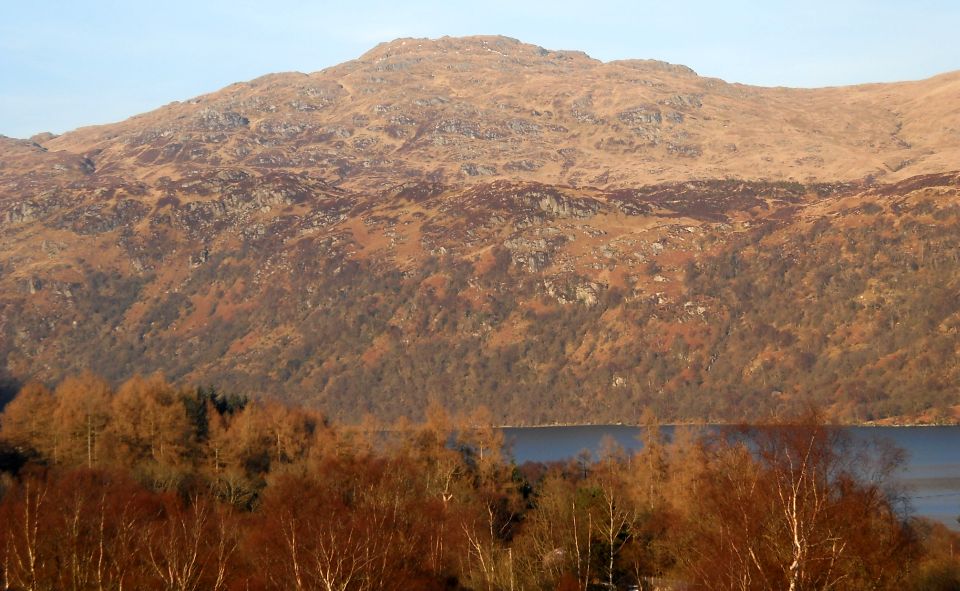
{"type": "Point", "coordinates": [464, 110]}
{"type": "Point", "coordinates": [483, 221]}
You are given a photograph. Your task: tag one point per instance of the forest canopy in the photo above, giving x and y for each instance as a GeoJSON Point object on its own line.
{"type": "Point", "coordinates": [153, 486]}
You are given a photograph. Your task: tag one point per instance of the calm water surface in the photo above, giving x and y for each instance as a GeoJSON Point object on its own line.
{"type": "Point", "coordinates": [931, 476]}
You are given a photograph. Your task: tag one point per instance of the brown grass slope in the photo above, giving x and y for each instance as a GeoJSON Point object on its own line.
{"type": "Point", "coordinates": [484, 221]}
{"type": "Point", "coordinates": [482, 108]}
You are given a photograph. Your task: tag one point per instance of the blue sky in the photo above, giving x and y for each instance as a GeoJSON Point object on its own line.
{"type": "Point", "coordinates": [65, 64]}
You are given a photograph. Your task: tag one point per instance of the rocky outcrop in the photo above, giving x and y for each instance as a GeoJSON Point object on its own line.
{"type": "Point", "coordinates": [209, 119]}
{"type": "Point", "coordinates": [471, 169]}
{"type": "Point", "coordinates": [641, 116]}
{"type": "Point", "coordinates": [560, 205]}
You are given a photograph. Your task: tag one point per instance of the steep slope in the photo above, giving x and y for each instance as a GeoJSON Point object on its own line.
{"type": "Point", "coordinates": [484, 221]}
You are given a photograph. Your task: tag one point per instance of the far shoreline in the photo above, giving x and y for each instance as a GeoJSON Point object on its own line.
{"type": "Point", "coordinates": [871, 424]}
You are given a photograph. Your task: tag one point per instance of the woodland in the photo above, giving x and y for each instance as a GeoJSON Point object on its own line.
{"type": "Point", "coordinates": [156, 486]}
{"type": "Point", "coordinates": [856, 313]}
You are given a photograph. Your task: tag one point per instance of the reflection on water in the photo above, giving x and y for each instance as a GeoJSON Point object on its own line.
{"type": "Point", "coordinates": [931, 477]}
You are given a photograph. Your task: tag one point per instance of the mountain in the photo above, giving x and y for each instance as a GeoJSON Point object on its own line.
{"type": "Point", "coordinates": [481, 221]}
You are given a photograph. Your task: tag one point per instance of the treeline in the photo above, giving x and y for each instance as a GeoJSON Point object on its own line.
{"type": "Point", "coordinates": [152, 486]}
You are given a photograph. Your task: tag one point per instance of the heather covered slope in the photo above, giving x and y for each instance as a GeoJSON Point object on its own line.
{"type": "Point", "coordinates": [486, 222]}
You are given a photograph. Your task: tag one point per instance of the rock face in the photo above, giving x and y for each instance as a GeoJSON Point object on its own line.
{"type": "Point", "coordinates": [491, 222]}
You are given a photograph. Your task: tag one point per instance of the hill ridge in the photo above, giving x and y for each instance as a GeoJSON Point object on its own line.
{"type": "Point", "coordinates": [414, 225]}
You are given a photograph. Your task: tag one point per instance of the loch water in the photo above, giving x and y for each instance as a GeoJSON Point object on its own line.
{"type": "Point", "coordinates": [930, 477]}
